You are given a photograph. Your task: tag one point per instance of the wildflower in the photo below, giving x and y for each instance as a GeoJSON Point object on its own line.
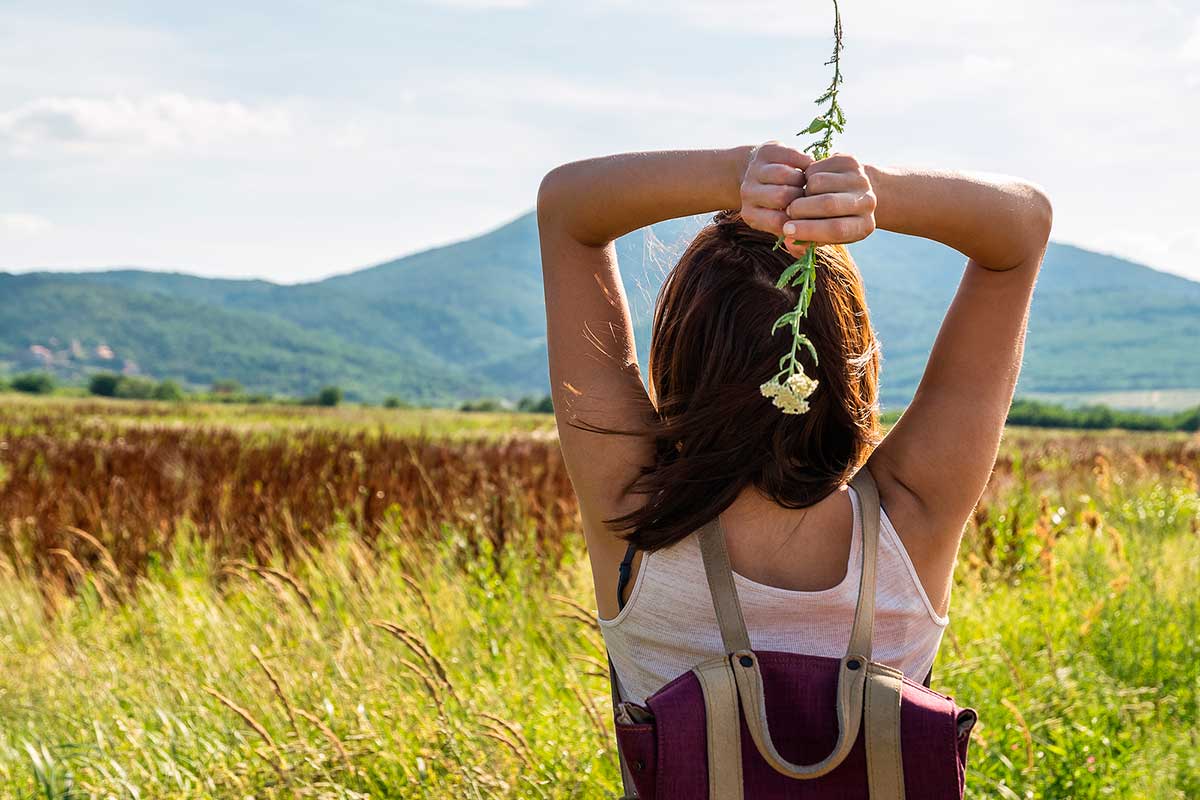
{"type": "Point", "coordinates": [790, 389]}
{"type": "Point", "coordinates": [791, 395]}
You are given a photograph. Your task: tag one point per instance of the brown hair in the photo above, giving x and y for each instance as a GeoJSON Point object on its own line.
{"type": "Point", "coordinates": [710, 351]}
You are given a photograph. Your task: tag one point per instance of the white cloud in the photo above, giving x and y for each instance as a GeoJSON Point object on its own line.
{"type": "Point", "coordinates": [986, 68]}
{"type": "Point", "coordinates": [553, 92]}
{"type": "Point", "coordinates": [108, 125]}
{"type": "Point", "coordinates": [1190, 51]}
{"type": "Point", "coordinates": [23, 225]}
{"type": "Point", "coordinates": [870, 21]}
{"type": "Point", "coordinates": [482, 4]}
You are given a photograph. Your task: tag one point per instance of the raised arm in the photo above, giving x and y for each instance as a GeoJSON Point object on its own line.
{"type": "Point", "coordinates": [935, 462]}
{"type": "Point", "coordinates": [582, 208]}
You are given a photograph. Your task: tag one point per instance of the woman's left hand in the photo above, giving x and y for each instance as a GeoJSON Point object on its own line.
{"type": "Point", "coordinates": [838, 206]}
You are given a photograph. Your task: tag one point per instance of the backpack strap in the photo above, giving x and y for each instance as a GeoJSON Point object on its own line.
{"type": "Point", "coordinates": [855, 673]}
{"type": "Point", "coordinates": [720, 584]}
{"type": "Point", "coordinates": [628, 790]}
{"type": "Point", "coordinates": [863, 631]}
{"type": "Point", "coordinates": [885, 768]}
{"type": "Point", "coordinates": [723, 729]}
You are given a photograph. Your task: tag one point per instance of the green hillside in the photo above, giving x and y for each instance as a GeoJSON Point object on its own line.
{"type": "Point", "coordinates": [467, 320]}
{"type": "Point", "coordinates": [172, 337]}
{"type": "Point", "coordinates": [1098, 323]}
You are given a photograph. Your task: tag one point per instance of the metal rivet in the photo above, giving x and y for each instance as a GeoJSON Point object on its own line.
{"type": "Point", "coordinates": [746, 661]}
{"type": "Point", "coordinates": [853, 664]}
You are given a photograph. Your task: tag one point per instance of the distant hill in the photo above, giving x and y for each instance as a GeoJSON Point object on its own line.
{"type": "Point", "coordinates": [467, 320]}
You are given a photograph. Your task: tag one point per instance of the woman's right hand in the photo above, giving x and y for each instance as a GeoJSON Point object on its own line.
{"type": "Point", "coordinates": [773, 180]}
{"type": "Point", "coordinates": [786, 193]}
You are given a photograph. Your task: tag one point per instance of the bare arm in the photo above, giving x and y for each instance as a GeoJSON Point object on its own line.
{"type": "Point", "coordinates": [935, 462]}
{"type": "Point", "coordinates": [582, 208]}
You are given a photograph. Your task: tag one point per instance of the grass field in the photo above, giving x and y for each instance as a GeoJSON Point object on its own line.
{"type": "Point", "coordinates": [234, 602]}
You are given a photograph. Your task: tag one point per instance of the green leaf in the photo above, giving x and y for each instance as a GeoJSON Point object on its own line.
{"type": "Point", "coordinates": [798, 267]}
{"type": "Point", "coordinates": [807, 292]}
{"type": "Point", "coordinates": [802, 280]}
{"type": "Point", "coordinates": [790, 273]}
{"type": "Point", "coordinates": [804, 340]}
{"type": "Point", "coordinates": [787, 319]}
{"type": "Point", "coordinates": [819, 149]}
{"type": "Point", "coordinates": [816, 126]}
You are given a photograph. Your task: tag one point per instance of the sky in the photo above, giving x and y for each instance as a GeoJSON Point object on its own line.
{"type": "Point", "coordinates": [292, 141]}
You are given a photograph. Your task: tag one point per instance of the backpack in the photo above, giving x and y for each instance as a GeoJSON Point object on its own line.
{"type": "Point", "coordinates": [768, 725]}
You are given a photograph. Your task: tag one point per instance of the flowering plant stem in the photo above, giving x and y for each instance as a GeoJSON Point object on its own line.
{"type": "Point", "coordinates": [790, 388]}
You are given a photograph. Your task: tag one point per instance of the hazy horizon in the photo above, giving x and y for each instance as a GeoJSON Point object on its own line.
{"type": "Point", "coordinates": [184, 270]}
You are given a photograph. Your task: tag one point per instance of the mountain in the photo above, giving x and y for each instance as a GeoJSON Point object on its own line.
{"type": "Point", "coordinates": [76, 324]}
{"type": "Point", "coordinates": [1098, 323]}
{"type": "Point", "coordinates": [467, 320]}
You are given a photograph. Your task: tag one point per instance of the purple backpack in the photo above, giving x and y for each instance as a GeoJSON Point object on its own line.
{"type": "Point", "coordinates": [768, 725]}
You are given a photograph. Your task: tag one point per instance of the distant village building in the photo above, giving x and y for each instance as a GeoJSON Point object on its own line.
{"type": "Point", "coordinates": [43, 355]}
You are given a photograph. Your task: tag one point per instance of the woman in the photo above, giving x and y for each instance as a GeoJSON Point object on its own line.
{"type": "Point", "coordinates": [651, 465]}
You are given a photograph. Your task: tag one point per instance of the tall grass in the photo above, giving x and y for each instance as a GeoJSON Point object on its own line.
{"type": "Point", "coordinates": [388, 659]}
{"type": "Point", "coordinates": [227, 682]}
{"type": "Point", "coordinates": [270, 489]}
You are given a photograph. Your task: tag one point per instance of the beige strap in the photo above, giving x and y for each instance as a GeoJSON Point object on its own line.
{"type": "Point", "coordinates": [724, 734]}
{"type": "Point", "coordinates": [852, 676]}
{"type": "Point", "coordinates": [628, 789]}
{"type": "Point", "coordinates": [885, 769]}
{"type": "Point", "coordinates": [720, 583]}
{"type": "Point", "coordinates": [868, 517]}
{"type": "Point", "coordinates": [851, 684]}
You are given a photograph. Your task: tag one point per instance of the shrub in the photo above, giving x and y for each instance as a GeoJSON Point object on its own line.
{"type": "Point", "coordinates": [169, 391]}
{"type": "Point", "coordinates": [130, 388]}
{"type": "Point", "coordinates": [486, 404]}
{"type": "Point", "coordinates": [329, 397]}
{"type": "Point", "coordinates": [1095, 417]}
{"type": "Point", "coordinates": [1188, 420]}
{"type": "Point", "coordinates": [226, 386]}
{"type": "Point", "coordinates": [110, 384]}
{"type": "Point", "coordinates": [104, 384]}
{"type": "Point", "coordinates": [536, 405]}
{"type": "Point", "coordinates": [394, 402]}
{"type": "Point", "coordinates": [34, 383]}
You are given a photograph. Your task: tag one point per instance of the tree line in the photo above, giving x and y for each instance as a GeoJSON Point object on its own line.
{"type": "Point", "coordinates": [1032, 413]}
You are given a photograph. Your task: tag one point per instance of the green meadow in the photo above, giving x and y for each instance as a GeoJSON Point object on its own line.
{"type": "Point", "coordinates": [401, 653]}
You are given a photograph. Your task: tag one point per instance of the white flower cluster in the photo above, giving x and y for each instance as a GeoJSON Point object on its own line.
{"type": "Point", "coordinates": [791, 396]}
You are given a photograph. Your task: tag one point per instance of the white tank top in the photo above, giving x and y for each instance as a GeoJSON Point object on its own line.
{"type": "Point", "coordinates": [668, 625]}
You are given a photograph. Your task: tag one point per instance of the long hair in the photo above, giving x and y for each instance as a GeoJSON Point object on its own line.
{"type": "Point", "coordinates": [714, 432]}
